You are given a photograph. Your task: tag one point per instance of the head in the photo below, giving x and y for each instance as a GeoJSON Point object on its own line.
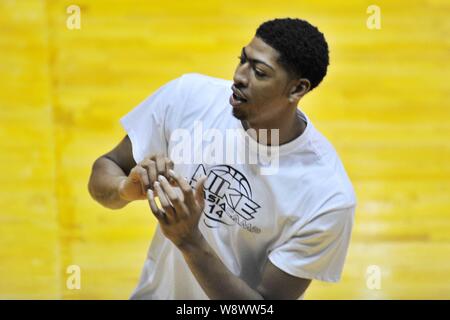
{"type": "Point", "coordinates": [286, 59]}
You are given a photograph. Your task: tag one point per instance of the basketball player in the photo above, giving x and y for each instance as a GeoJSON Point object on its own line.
{"type": "Point", "coordinates": [229, 230]}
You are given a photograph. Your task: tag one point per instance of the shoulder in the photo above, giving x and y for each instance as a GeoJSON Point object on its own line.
{"type": "Point", "coordinates": [331, 176]}
{"type": "Point", "coordinates": [201, 93]}
{"type": "Point", "coordinates": [190, 88]}
{"type": "Point", "coordinates": [331, 192]}
{"type": "Point", "coordinates": [328, 186]}
{"type": "Point", "coordinates": [200, 85]}
{"type": "Point", "coordinates": [198, 78]}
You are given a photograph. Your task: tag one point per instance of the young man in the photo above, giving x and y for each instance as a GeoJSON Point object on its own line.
{"type": "Point", "coordinates": [230, 230]}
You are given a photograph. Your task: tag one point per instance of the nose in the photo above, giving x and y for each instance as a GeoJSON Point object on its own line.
{"type": "Point", "coordinates": [240, 77]}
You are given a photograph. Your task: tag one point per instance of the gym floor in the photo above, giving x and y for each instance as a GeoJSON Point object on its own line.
{"type": "Point", "coordinates": [384, 105]}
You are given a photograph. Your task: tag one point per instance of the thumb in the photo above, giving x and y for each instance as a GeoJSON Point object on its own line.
{"type": "Point", "coordinates": [134, 176]}
{"type": "Point", "coordinates": [134, 181]}
{"type": "Point", "coordinates": [199, 190]}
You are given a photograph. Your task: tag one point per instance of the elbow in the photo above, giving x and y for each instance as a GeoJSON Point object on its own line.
{"type": "Point", "coordinates": [91, 187]}
{"type": "Point", "coordinates": [104, 200]}
{"type": "Point", "coordinates": [101, 187]}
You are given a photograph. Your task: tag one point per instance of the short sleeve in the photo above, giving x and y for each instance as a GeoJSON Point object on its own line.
{"type": "Point", "coordinates": [318, 249]}
{"type": "Point", "coordinates": [150, 123]}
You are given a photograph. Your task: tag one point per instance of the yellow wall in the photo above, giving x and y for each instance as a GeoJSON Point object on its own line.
{"type": "Point", "coordinates": [384, 105]}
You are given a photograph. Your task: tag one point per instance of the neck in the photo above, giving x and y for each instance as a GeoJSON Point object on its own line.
{"type": "Point", "coordinates": [289, 127]}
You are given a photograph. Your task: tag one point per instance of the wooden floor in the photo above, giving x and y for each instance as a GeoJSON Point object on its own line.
{"type": "Point", "coordinates": [385, 105]}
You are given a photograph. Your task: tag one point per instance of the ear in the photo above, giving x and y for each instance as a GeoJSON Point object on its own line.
{"type": "Point", "coordinates": [298, 89]}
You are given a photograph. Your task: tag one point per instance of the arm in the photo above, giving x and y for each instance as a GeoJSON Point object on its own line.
{"type": "Point", "coordinates": [116, 179]}
{"type": "Point", "coordinates": [108, 172]}
{"type": "Point", "coordinates": [219, 283]}
{"type": "Point", "coordinates": [179, 223]}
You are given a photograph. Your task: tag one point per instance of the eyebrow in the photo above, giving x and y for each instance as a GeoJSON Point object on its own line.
{"type": "Point", "coordinates": [254, 60]}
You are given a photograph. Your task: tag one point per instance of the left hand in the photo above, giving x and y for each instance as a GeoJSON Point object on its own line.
{"type": "Point", "coordinates": [181, 211]}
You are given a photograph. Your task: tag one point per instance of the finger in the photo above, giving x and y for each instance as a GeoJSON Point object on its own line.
{"type": "Point", "coordinates": [140, 175]}
{"type": "Point", "coordinates": [185, 188]}
{"type": "Point", "coordinates": [174, 197]}
{"type": "Point", "coordinates": [160, 164]}
{"type": "Point", "coordinates": [168, 166]}
{"type": "Point", "coordinates": [143, 175]}
{"type": "Point", "coordinates": [152, 173]}
{"type": "Point", "coordinates": [165, 203]}
{"type": "Point", "coordinates": [168, 189]}
{"type": "Point", "coordinates": [159, 214]}
{"type": "Point", "coordinates": [150, 167]}
{"type": "Point", "coordinates": [200, 191]}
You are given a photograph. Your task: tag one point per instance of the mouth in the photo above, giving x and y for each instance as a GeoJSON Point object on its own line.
{"type": "Point", "coordinates": [237, 98]}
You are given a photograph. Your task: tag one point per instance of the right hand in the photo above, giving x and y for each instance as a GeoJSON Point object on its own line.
{"type": "Point", "coordinates": [143, 176]}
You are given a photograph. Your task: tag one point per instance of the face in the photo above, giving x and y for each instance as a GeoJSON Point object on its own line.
{"type": "Point", "coordinates": [262, 87]}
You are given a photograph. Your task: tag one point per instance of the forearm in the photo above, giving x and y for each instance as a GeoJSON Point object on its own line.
{"type": "Point", "coordinates": [213, 276]}
{"type": "Point", "coordinates": [104, 183]}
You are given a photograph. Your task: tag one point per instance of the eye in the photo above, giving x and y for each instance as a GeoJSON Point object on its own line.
{"type": "Point", "coordinates": [259, 73]}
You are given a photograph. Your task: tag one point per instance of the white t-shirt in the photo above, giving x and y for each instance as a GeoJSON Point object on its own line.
{"type": "Point", "coordinates": [300, 217]}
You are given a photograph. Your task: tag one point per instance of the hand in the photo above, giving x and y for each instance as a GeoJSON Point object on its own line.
{"type": "Point", "coordinates": [181, 208]}
{"type": "Point", "coordinates": [143, 176]}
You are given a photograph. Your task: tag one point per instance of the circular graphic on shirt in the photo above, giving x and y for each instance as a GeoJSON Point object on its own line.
{"type": "Point", "coordinates": [228, 198]}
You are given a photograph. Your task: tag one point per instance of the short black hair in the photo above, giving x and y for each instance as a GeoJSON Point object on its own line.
{"type": "Point", "coordinates": [302, 47]}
